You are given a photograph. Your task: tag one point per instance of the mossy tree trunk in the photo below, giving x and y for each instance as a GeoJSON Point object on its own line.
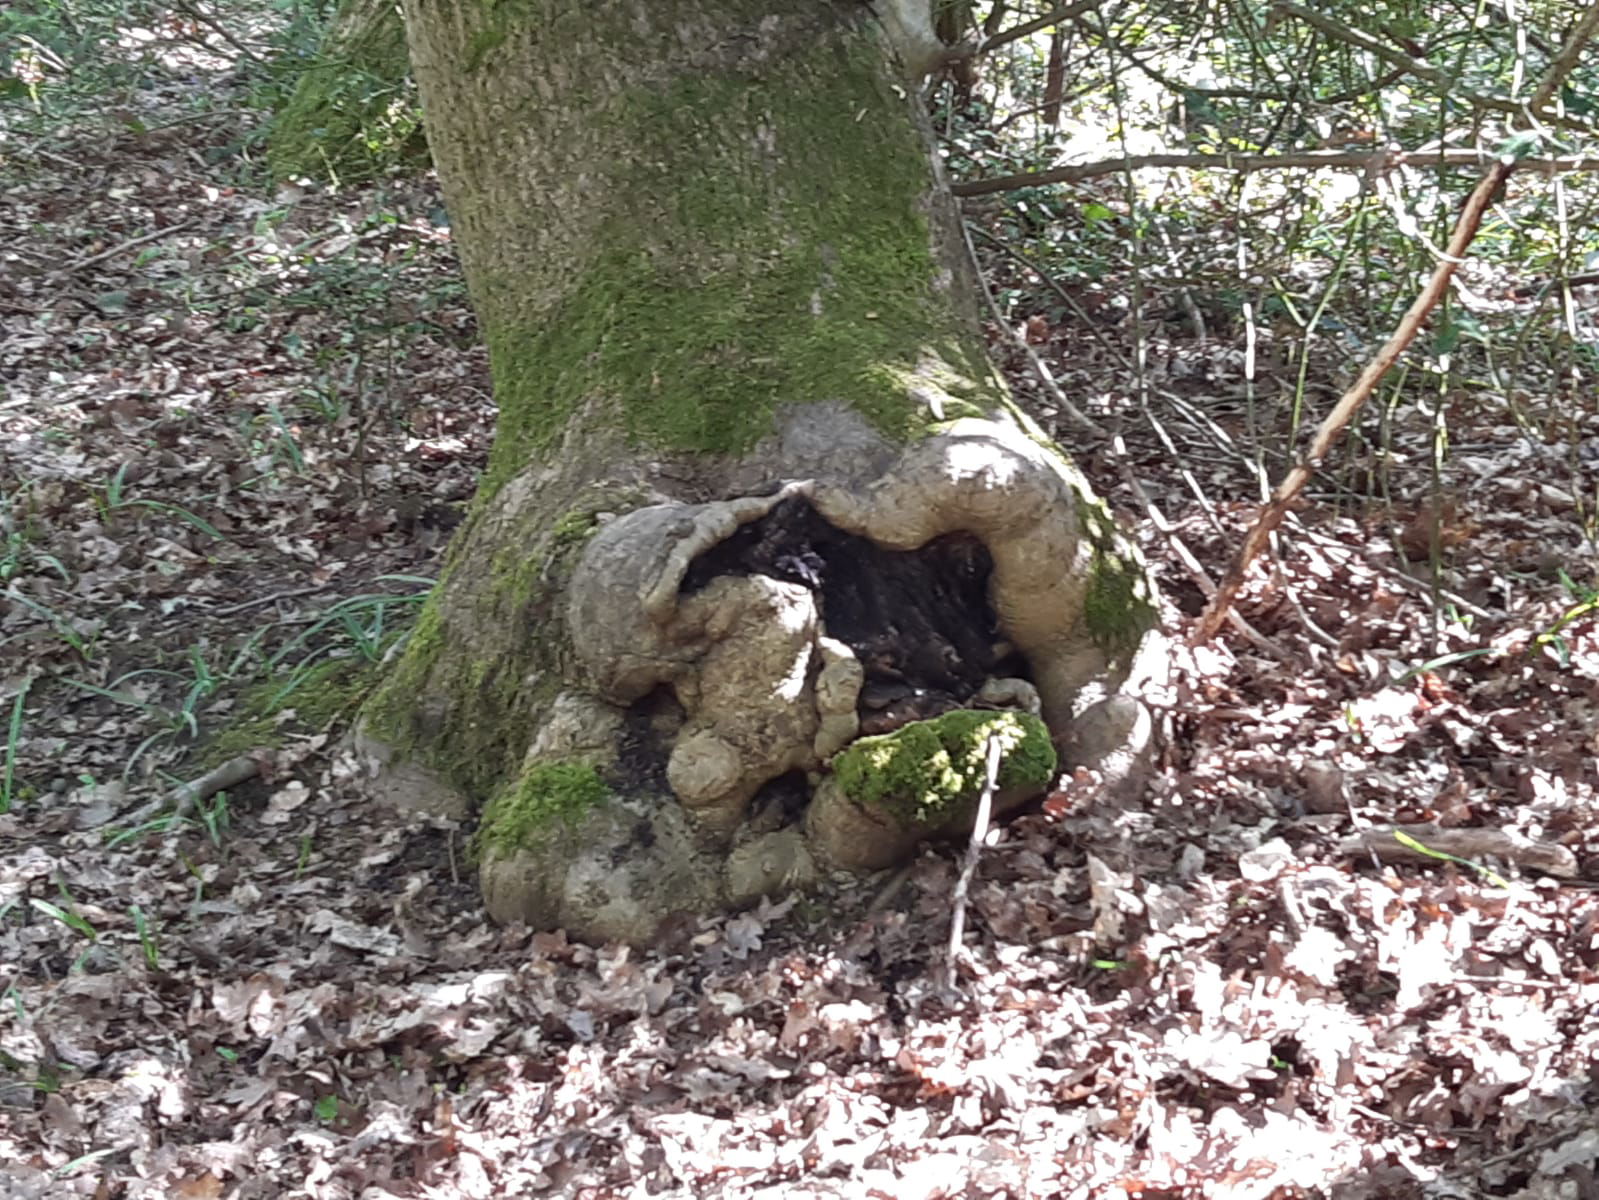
{"type": "Point", "coordinates": [353, 114]}
{"type": "Point", "coordinates": [755, 491]}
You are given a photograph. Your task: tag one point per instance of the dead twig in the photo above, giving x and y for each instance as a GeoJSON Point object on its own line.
{"type": "Point", "coordinates": [1365, 160]}
{"type": "Point", "coordinates": [1351, 401]}
{"type": "Point", "coordinates": [183, 799]}
{"type": "Point", "coordinates": [1191, 564]}
{"type": "Point", "coordinates": [1055, 16]}
{"type": "Point", "coordinates": [1565, 61]}
{"type": "Point", "coordinates": [985, 805]}
{"type": "Point", "coordinates": [291, 594]}
{"type": "Point", "coordinates": [72, 268]}
{"type": "Point", "coordinates": [1465, 842]}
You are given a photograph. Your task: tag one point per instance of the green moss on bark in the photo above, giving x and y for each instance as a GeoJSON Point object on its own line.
{"type": "Point", "coordinates": [1118, 608]}
{"type": "Point", "coordinates": [464, 697]}
{"type": "Point", "coordinates": [547, 799]}
{"type": "Point", "coordinates": [744, 280]}
{"type": "Point", "coordinates": [933, 772]}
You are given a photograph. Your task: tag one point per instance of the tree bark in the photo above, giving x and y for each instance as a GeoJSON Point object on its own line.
{"type": "Point", "coordinates": [755, 490]}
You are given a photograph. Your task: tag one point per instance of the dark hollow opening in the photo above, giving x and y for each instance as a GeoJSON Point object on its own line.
{"type": "Point", "coordinates": [919, 621]}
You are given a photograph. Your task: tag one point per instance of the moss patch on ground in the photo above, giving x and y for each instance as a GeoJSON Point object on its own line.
{"type": "Point", "coordinates": [933, 772]}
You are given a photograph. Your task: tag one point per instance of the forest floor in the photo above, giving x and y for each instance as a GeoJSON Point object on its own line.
{"type": "Point", "coordinates": [236, 430]}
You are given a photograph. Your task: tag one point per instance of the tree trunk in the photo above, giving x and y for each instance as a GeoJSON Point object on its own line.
{"type": "Point", "coordinates": [756, 492]}
{"type": "Point", "coordinates": [353, 113]}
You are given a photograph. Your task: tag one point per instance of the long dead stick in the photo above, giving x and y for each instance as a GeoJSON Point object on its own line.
{"type": "Point", "coordinates": [1350, 402]}
{"type": "Point", "coordinates": [1383, 159]}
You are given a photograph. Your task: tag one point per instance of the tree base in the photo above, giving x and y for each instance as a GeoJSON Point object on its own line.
{"type": "Point", "coordinates": [765, 689]}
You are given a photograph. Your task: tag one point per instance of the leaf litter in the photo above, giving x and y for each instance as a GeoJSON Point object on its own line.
{"type": "Point", "coordinates": [1224, 988]}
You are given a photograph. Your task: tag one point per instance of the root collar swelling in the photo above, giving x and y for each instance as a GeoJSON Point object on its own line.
{"type": "Point", "coordinates": [852, 641]}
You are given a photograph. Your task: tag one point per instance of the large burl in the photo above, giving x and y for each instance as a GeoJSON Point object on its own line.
{"type": "Point", "coordinates": [735, 637]}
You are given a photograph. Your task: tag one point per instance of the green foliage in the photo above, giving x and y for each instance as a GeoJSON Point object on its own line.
{"type": "Point", "coordinates": [65, 60]}
{"type": "Point", "coordinates": [353, 114]}
{"type": "Point", "coordinates": [1309, 264]}
{"type": "Point", "coordinates": [148, 941]}
{"type": "Point", "coordinates": [19, 534]}
{"type": "Point", "coordinates": [13, 739]}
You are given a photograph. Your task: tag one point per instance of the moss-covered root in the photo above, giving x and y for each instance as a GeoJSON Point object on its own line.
{"type": "Point", "coordinates": [889, 792]}
{"type": "Point", "coordinates": [549, 798]}
{"type": "Point", "coordinates": [560, 849]}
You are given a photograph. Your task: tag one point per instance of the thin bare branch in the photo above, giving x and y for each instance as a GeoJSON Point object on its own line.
{"type": "Point", "coordinates": [985, 803]}
{"type": "Point", "coordinates": [1436, 75]}
{"type": "Point", "coordinates": [182, 799]}
{"type": "Point", "coordinates": [70, 268]}
{"type": "Point", "coordinates": [1352, 400]}
{"type": "Point", "coordinates": [1566, 61]}
{"type": "Point", "coordinates": [1055, 16]}
{"type": "Point", "coordinates": [1319, 160]}
{"type": "Point", "coordinates": [1336, 29]}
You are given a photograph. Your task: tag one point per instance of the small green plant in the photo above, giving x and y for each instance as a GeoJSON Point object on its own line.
{"type": "Point", "coordinates": [1587, 602]}
{"type": "Point", "coordinates": [1489, 876]}
{"type": "Point", "coordinates": [147, 936]}
{"type": "Point", "coordinates": [161, 824]}
{"type": "Point", "coordinates": [114, 499]}
{"type": "Point", "coordinates": [190, 866]}
{"type": "Point", "coordinates": [17, 554]}
{"type": "Point", "coordinates": [366, 622]}
{"type": "Point", "coordinates": [326, 1108]}
{"type": "Point", "coordinates": [83, 1160]}
{"type": "Point", "coordinates": [13, 740]}
{"type": "Point", "coordinates": [72, 919]}
{"type": "Point", "coordinates": [62, 628]}
{"type": "Point", "coordinates": [291, 448]}
{"type": "Point", "coordinates": [174, 721]}
{"type": "Point", "coordinates": [69, 917]}
{"type": "Point", "coordinates": [214, 816]}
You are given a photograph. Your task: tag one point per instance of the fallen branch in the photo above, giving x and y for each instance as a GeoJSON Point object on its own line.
{"type": "Point", "coordinates": [1351, 401]}
{"type": "Point", "coordinates": [71, 268]}
{"type": "Point", "coordinates": [1318, 160]}
{"type": "Point", "coordinates": [183, 799]}
{"type": "Point", "coordinates": [1384, 844]}
{"type": "Point", "coordinates": [1537, 291]}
